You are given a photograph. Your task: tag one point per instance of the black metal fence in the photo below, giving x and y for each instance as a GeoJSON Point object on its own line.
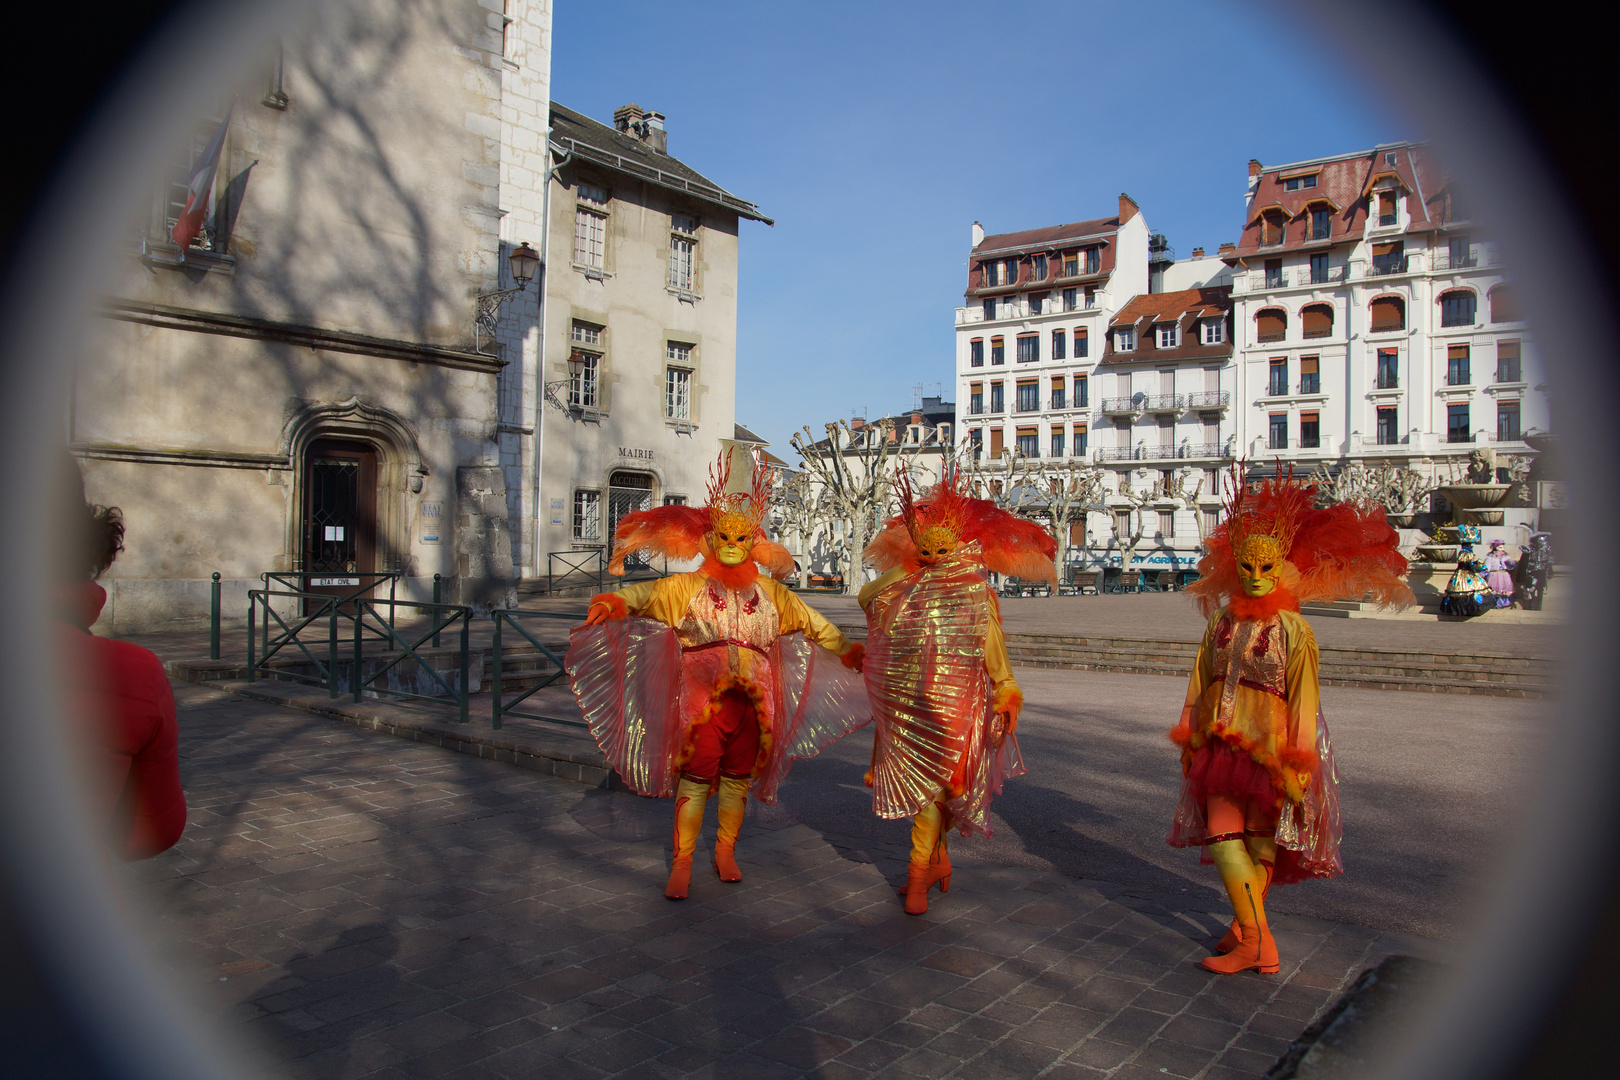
{"type": "Point", "coordinates": [500, 706]}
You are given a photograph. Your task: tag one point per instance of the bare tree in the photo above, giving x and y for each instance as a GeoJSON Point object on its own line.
{"type": "Point", "coordinates": [1400, 489]}
{"type": "Point", "coordinates": [1172, 492]}
{"type": "Point", "coordinates": [1060, 494]}
{"type": "Point", "coordinates": [851, 476]}
{"type": "Point", "coordinates": [794, 512]}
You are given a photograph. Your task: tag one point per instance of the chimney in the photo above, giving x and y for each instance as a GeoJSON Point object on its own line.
{"type": "Point", "coordinates": [1227, 249]}
{"type": "Point", "coordinates": [1198, 253]}
{"type": "Point", "coordinates": [627, 118]}
{"type": "Point", "coordinates": [1254, 168]}
{"type": "Point", "coordinates": [978, 234]}
{"type": "Point", "coordinates": [656, 137]}
{"type": "Point", "coordinates": [856, 423]}
{"type": "Point", "coordinates": [1127, 208]}
{"type": "Point", "coordinates": [916, 416]}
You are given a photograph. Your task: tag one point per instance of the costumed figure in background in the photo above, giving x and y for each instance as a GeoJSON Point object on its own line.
{"type": "Point", "coordinates": [1534, 571]}
{"type": "Point", "coordinates": [937, 672]}
{"type": "Point", "coordinates": [714, 680]}
{"type": "Point", "coordinates": [1259, 792]}
{"type": "Point", "coordinates": [1498, 573]}
{"type": "Point", "coordinates": [1468, 593]}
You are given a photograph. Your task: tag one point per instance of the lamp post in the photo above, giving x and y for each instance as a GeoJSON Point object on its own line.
{"type": "Point", "coordinates": [556, 390]}
{"type": "Point", "coordinates": [523, 261]}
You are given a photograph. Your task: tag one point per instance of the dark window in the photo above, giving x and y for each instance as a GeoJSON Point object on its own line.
{"type": "Point", "coordinates": [1457, 424]}
{"type": "Point", "coordinates": [1310, 430]}
{"type": "Point", "coordinates": [996, 401]}
{"type": "Point", "coordinates": [1274, 274]}
{"type": "Point", "coordinates": [1029, 397]}
{"type": "Point", "coordinates": [1082, 342]}
{"type": "Point", "coordinates": [1071, 266]}
{"type": "Point", "coordinates": [1029, 349]}
{"type": "Point", "coordinates": [1507, 361]}
{"type": "Point", "coordinates": [1316, 320]}
{"type": "Point", "coordinates": [1388, 313]}
{"type": "Point", "coordinates": [1093, 263]}
{"type": "Point", "coordinates": [1310, 378]}
{"type": "Point", "coordinates": [1319, 267]}
{"type": "Point", "coordinates": [1012, 271]}
{"type": "Point", "coordinates": [976, 352]}
{"type": "Point", "coordinates": [1071, 299]}
{"type": "Point", "coordinates": [1461, 253]}
{"type": "Point", "coordinates": [1321, 223]}
{"type": "Point", "coordinates": [976, 401]}
{"type": "Point", "coordinates": [1278, 384]}
{"type": "Point", "coordinates": [1388, 429]}
{"type": "Point", "coordinates": [1389, 258]}
{"type": "Point", "coordinates": [1507, 421]}
{"type": "Point", "coordinates": [1457, 368]}
{"type": "Point", "coordinates": [1057, 442]}
{"type": "Point", "coordinates": [1027, 443]}
{"type": "Point", "coordinates": [990, 308]}
{"type": "Point", "coordinates": [998, 351]}
{"type": "Point", "coordinates": [976, 442]}
{"type": "Point", "coordinates": [1279, 431]}
{"type": "Point", "coordinates": [1388, 370]}
{"type": "Point", "coordinates": [1060, 345]}
{"type": "Point", "coordinates": [1036, 300]}
{"type": "Point", "coordinates": [1040, 269]}
{"type": "Point", "coordinates": [1386, 208]}
{"type": "Point", "coordinates": [1080, 436]}
{"type": "Point", "coordinates": [1082, 397]}
{"type": "Point", "coordinates": [990, 273]}
{"type": "Point", "coordinates": [1271, 325]}
{"type": "Point", "coordinates": [1059, 394]}
{"type": "Point", "coordinates": [1457, 308]}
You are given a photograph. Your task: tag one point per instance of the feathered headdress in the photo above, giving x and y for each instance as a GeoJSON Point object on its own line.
{"type": "Point", "coordinates": [681, 532]}
{"type": "Point", "coordinates": [1010, 544]}
{"type": "Point", "coordinates": [1346, 551]}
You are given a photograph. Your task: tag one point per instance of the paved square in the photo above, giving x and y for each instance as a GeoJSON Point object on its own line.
{"type": "Point", "coordinates": [365, 906]}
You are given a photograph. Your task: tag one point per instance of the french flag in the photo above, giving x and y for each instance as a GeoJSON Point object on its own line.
{"type": "Point", "coordinates": [200, 193]}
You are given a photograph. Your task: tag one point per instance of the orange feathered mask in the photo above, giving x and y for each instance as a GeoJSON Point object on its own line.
{"type": "Point", "coordinates": [1011, 545]}
{"type": "Point", "coordinates": [682, 532]}
{"type": "Point", "coordinates": [1346, 551]}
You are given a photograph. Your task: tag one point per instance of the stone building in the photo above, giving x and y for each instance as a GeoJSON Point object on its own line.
{"type": "Point", "coordinates": [638, 335]}
{"type": "Point", "coordinates": [1374, 319]}
{"type": "Point", "coordinates": [303, 388]}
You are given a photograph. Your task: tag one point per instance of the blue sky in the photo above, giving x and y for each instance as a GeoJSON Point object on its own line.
{"type": "Point", "coordinates": [875, 134]}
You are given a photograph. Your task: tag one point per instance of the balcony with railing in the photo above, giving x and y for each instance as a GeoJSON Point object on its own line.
{"type": "Point", "coordinates": [1478, 258]}
{"type": "Point", "coordinates": [1123, 406]}
{"type": "Point", "coordinates": [1387, 265]}
{"type": "Point", "coordinates": [1209, 399]}
{"type": "Point", "coordinates": [1207, 450]}
{"type": "Point", "coordinates": [1116, 453]}
{"type": "Point", "coordinates": [1167, 403]}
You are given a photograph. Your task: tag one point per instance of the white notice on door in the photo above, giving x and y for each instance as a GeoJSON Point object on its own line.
{"type": "Point", "coordinates": [334, 533]}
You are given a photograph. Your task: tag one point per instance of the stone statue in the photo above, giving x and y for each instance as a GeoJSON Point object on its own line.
{"type": "Point", "coordinates": [1482, 466]}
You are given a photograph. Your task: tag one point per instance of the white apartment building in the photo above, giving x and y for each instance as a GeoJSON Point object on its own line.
{"type": "Point", "coordinates": [1374, 321]}
{"type": "Point", "coordinates": [638, 337]}
{"type": "Point", "coordinates": [1028, 338]}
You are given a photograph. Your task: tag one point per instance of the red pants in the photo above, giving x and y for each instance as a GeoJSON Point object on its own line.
{"type": "Point", "coordinates": [729, 743]}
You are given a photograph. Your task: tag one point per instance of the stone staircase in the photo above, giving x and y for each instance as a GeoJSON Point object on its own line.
{"type": "Point", "coordinates": [1445, 673]}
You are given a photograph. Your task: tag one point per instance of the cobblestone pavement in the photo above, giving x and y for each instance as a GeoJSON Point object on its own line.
{"type": "Point", "coordinates": [364, 906]}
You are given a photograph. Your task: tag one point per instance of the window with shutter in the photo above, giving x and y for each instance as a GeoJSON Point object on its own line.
{"type": "Point", "coordinates": [1271, 325]}
{"type": "Point", "coordinates": [1387, 313]}
{"type": "Point", "coordinates": [1316, 320]}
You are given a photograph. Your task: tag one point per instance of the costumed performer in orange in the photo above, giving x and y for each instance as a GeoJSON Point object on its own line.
{"type": "Point", "coordinates": [707, 681]}
{"type": "Point", "coordinates": [1259, 792]}
{"type": "Point", "coordinates": [941, 687]}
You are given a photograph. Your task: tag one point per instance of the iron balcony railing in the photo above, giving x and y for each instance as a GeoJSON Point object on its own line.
{"type": "Point", "coordinates": [1209, 399]}
{"type": "Point", "coordinates": [1205, 450]}
{"type": "Point", "coordinates": [1385, 265]}
{"type": "Point", "coordinates": [1442, 260]}
{"type": "Point", "coordinates": [1116, 453]}
{"type": "Point", "coordinates": [1158, 453]}
{"type": "Point", "coordinates": [1166, 403]}
{"type": "Point", "coordinates": [1324, 275]}
{"type": "Point", "coordinates": [1116, 405]}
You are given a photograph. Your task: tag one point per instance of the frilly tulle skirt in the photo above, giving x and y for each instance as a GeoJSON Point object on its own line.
{"type": "Point", "coordinates": [1307, 833]}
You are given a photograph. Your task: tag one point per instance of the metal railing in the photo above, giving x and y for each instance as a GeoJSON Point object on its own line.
{"type": "Point", "coordinates": [1166, 402]}
{"type": "Point", "coordinates": [1206, 450]}
{"type": "Point", "coordinates": [499, 705]}
{"type": "Point", "coordinates": [574, 561]}
{"type": "Point", "coordinates": [1209, 399]}
{"type": "Point", "coordinates": [1442, 260]}
{"type": "Point", "coordinates": [262, 610]}
{"type": "Point", "coordinates": [440, 617]}
{"type": "Point", "coordinates": [1116, 453]}
{"type": "Point", "coordinates": [1122, 404]}
{"type": "Point", "coordinates": [1386, 265]}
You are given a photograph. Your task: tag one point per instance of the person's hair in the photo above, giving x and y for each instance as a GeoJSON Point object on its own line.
{"type": "Point", "coordinates": [103, 537]}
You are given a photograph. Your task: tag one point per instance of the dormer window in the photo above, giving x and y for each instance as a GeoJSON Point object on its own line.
{"type": "Point", "coordinates": [1273, 223]}
{"type": "Point", "coordinates": [1214, 331]}
{"type": "Point", "coordinates": [1321, 223]}
{"type": "Point", "coordinates": [1386, 208]}
{"type": "Point", "coordinates": [1125, 340]}
{"type": "Point", "coordinates": [1040, 268]}
{"type": "Point", "coordinates": [990, 275]}
{"type": "Point", "coordinates": [1169, 335]}
{"type": "Point", "coordinates": [1295, 183]}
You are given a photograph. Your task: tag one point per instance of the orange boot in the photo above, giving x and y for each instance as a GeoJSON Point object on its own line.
{"type": "Point", "coordinates": [691, 796]}
{"type": "Point", "coordinates": [1256, 947]}
{"type": "Point", "coordinates": [930, 859]}
{"type": "Point", "coordinates": [732, 802]}
{"type": "Point", "coordinates": [1233, 934]}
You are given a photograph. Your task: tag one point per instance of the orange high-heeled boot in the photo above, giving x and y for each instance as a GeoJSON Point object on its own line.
{"type": "Point", "coordinates": [729, 808]}
{"type": "Point", "coordinates": [691, 796]}
{"type": "Point", "coordinates": [1233, 933]}
{"type": "Point", "coordinates": [930, 859]}
{"type": "Point", "coordinates": [1256, 948]}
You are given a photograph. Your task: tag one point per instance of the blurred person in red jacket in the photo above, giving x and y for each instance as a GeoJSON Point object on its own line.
{"type": "Point", "coordinates": [121, 692]}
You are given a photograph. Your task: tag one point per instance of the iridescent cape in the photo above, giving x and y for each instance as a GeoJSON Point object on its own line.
{"type": "Point", "coordinates": [926, 643]}
{"type": "Point", "coordinates": [626, 675]}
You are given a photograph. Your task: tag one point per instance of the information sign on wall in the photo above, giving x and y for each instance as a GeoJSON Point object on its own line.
{"type": "Point", "coordinates": [432, 519]}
